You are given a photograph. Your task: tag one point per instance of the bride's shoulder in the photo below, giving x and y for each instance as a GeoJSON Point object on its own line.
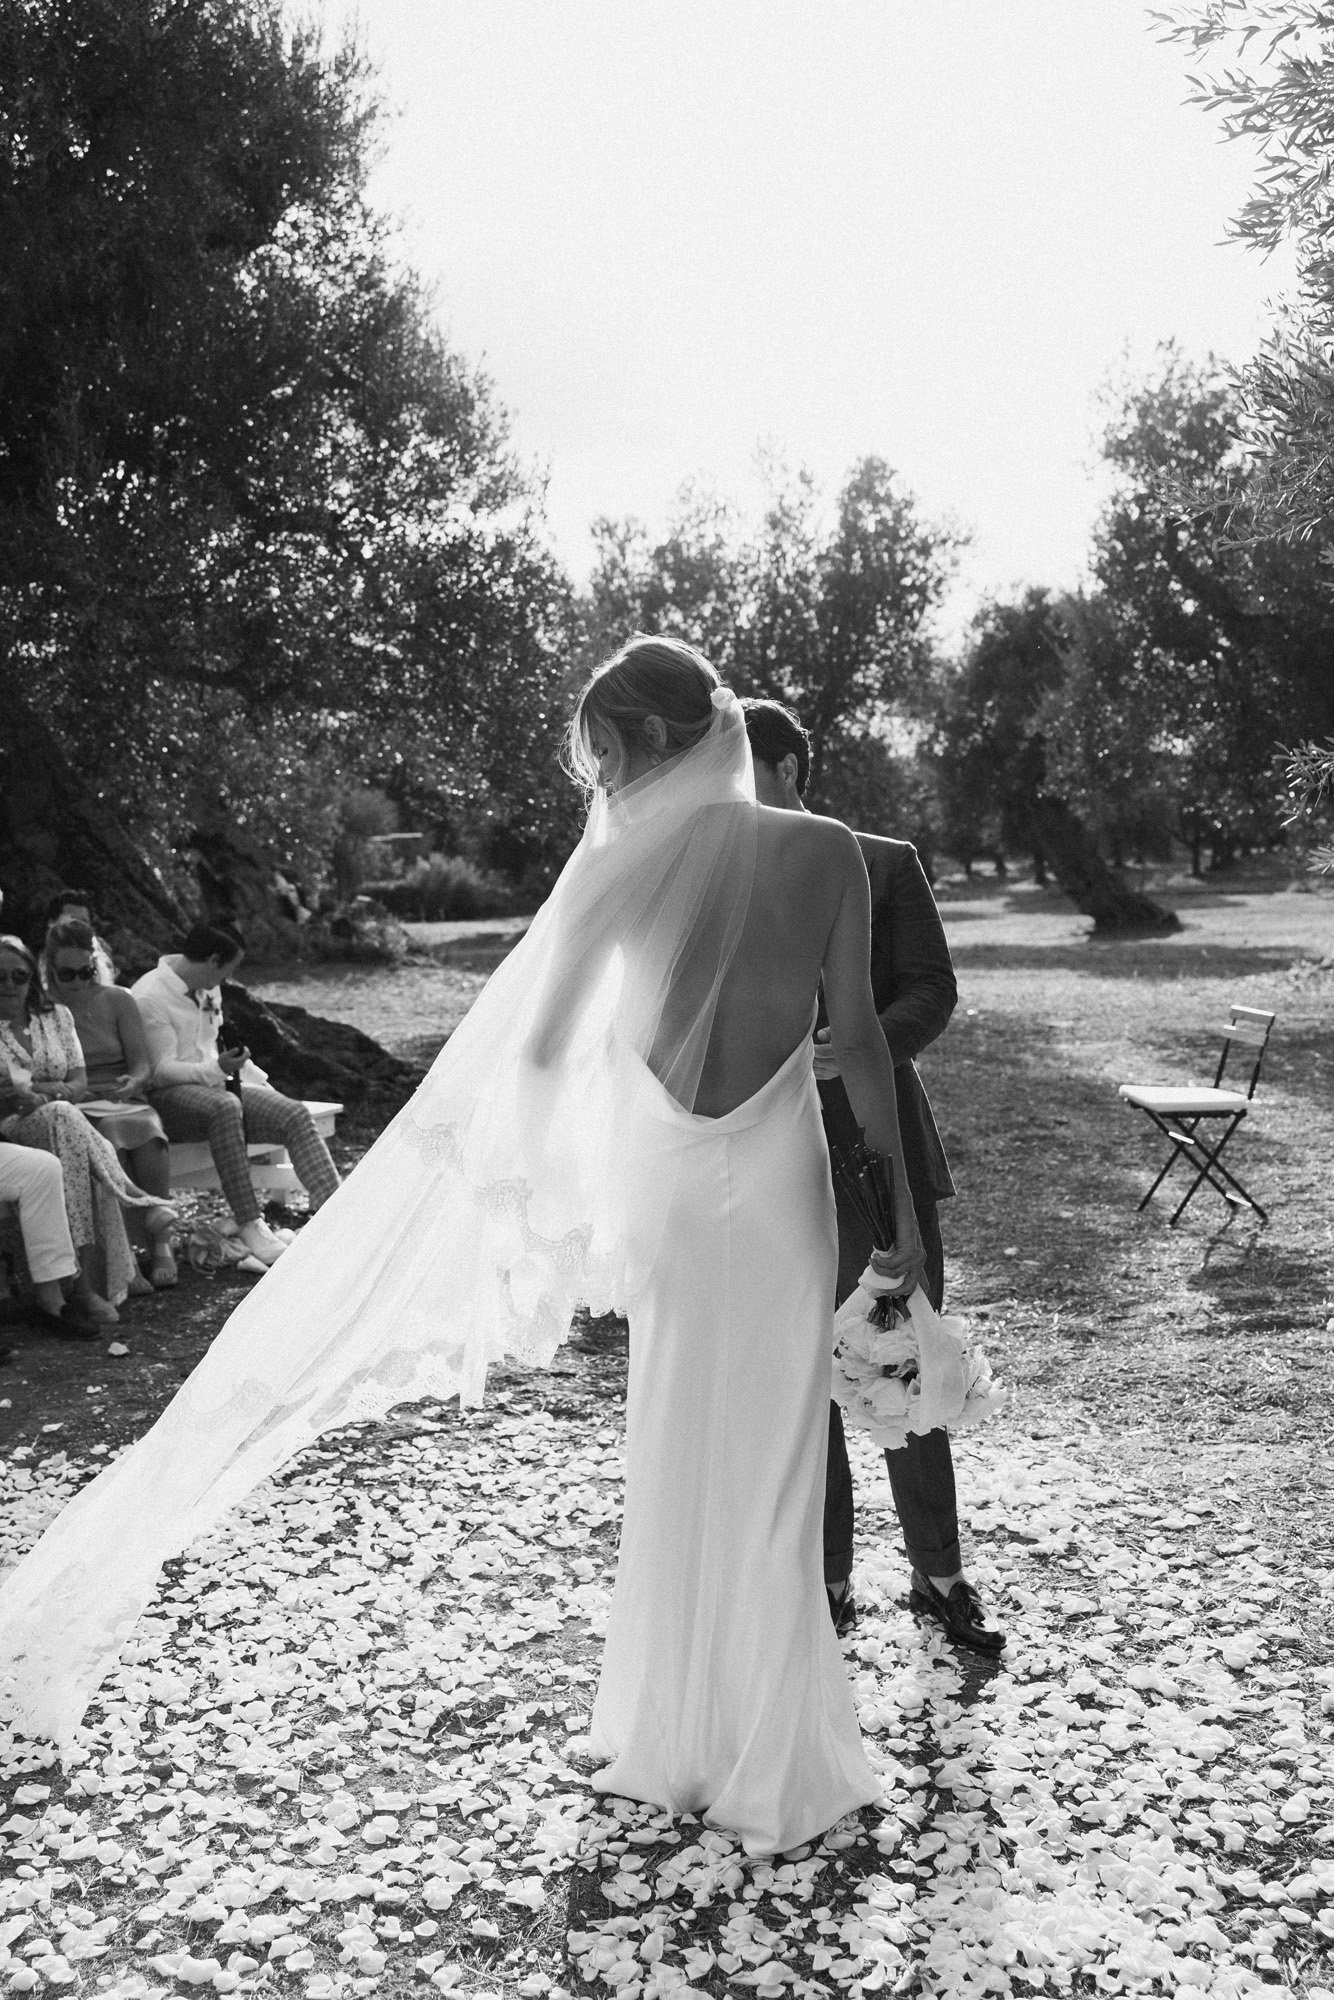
{"type": "Point", "coordinates": [808, 830]}
{"type": "Point", "coordinates": [809, 841]}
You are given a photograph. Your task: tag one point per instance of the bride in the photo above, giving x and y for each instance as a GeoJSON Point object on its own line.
{"type": "Point", "coordinates": [627, 1117]}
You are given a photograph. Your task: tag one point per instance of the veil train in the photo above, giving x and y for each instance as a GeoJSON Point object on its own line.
{"type": "Point", "coordinates": [471, 1229]}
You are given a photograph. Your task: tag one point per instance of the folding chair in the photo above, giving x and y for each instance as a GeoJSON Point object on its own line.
{"type": "Point", "coordinates": [1178, 1111]}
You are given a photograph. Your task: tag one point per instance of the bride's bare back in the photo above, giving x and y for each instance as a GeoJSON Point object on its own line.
{"type": "Point", "coordinates": [809, 916]}
{"type": "Point", "coordinates": [809, 919]}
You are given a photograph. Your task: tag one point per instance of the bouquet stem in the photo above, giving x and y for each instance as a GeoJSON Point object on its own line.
{"type": "Point", "coordinates": [864, 1178]}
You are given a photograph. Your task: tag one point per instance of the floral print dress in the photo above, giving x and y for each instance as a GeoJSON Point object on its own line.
{"type": "Point", "coordinates": [97, 1187]}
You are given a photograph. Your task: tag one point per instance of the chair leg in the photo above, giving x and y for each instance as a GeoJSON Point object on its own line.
{"type": "Point", "coordinates": [1241, 1193]}
{"type": "Point", "coordinates": [1193, 1153]}
{"type": "Point", "coordinates": [1172, 1159]}
{"type": "Point", "coordinates": [1202, 1175]}
{"type": "Point", "coordinates": [1206, 1162]}
{"type": "Point", "coordinates": [1212, 1165]}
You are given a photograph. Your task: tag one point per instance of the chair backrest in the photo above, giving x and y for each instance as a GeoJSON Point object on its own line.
{"type": "Point", "coordinates": [1249, 1028]}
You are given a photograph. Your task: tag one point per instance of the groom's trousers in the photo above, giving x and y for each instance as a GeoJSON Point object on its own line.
{"type": "Point", "coordinates": [921, 1473]}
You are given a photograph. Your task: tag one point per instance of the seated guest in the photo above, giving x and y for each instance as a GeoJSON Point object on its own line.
{"type": "Point", "coordinates": [181, 1006]}
{"type": "Point", "coordinates": [41, 1052]}
{"type": "Point", "coordinates": [32, 1180]}
{"type": "Point", "coordinates": [78, 904]}
{"type": "Point", "coordinates": [118, 1066]}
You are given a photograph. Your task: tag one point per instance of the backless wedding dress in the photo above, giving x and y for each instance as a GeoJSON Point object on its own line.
{"type": "Point", "coordinates": [723, 1690]}
{"type": "Point", "coordinates": [552, 1156]}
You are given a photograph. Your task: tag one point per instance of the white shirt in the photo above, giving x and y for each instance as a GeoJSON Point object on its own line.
{"type": "Point", "coordinates": [181, 1028]}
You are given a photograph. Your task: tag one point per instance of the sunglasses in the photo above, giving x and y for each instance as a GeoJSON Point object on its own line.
{"type": "Point", "coordinates": [14, 978]}
{"type": "Point", "coordinates": [67, 974]}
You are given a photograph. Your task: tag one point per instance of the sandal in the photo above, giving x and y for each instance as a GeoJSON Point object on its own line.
{"type": "Point", "coordinates": [162, 1272]}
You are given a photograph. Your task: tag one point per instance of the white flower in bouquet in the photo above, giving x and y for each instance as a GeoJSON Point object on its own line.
{"type": "Point", "coordinates": [887, 1400]}
{"type": "Point", "coordinates": [892, 1347]}
{"type": "Point", "coordinates": [899, 1368]}
{"type": "Point", "coordinates": [859, 1369]}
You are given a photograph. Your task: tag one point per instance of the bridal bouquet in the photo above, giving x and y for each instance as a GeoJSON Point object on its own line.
{"type": "Point", "coordinates": [899, 1367]}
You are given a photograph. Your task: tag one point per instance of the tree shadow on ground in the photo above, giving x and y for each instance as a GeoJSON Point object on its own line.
{"type": "Point", "coordinates": [1130, 959]}
{"type": "Point", "coordinates": [1183, 900]}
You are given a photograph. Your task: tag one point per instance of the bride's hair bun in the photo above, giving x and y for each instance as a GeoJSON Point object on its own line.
{"type": "Point", "coordinates": [649, 676]}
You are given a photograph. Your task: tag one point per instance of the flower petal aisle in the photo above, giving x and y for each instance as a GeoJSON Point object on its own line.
{"type": "Point", "coordinates": [336, 1757]}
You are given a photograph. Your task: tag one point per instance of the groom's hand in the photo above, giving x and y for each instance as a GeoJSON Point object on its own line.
{"type": "Point", "coordinates": [905, 1263]}
{"type": "Point", "coordinates": [826, 1062]}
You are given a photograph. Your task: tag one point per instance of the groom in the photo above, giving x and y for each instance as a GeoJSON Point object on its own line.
{"type": "Point", "coordinates": [913, 982]}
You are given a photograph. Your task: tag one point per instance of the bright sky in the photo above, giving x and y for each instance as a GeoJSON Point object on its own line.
{"type": "Point", "coordinates": [672, 229]}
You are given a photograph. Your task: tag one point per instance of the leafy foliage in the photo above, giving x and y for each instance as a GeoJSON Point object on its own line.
{"type": "Point", "coordinates": [1104, 751]}
{"type": "Point", "coordinates": [255, 518]}
{"type": "Point", "coordinates": [442, 888]}
{"type": "Point", "coordinates": [1154, 704]}
{"type": "Point", "coordinates": [1310, 775]}
{"type": "Point", "coordinates": [1226, 646]}
{"type": "Point", "coordinates": [1276, 93]}
{"type": "Point", "coordinates": [833, 618]}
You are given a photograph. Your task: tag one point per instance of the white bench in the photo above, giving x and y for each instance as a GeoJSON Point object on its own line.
{"type": "Point", "coordinates": [192, 1167]}
{"type": "Point", "coordinates": [271, 1169]}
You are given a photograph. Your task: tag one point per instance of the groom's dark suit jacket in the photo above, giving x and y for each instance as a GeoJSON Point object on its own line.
{"type": "Point", "coordinates": [912, 979]}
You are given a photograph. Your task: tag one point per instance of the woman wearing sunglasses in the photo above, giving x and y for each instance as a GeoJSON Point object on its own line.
{"type": "Point", "coordinates": [40, 1047]}
{"type": "Point", "coordinates": [78, 904]}
{"type": "Point", "coordinates": [117, 1066]}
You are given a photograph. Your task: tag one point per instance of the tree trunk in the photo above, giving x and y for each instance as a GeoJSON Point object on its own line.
{"type": "Point", "coordinates": [240, 886]}
{"type": "Point", "coordinates": [1090, 884]}
{"type": "Point", "coordinates": [54, 834]}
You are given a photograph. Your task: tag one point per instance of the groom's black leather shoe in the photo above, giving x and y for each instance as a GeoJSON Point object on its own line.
{"type": "Point", "coordinates": [960, 1613]}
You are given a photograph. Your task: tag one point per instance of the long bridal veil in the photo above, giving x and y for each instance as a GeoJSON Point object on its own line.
{"type": "Point", "coordinates": [472, 1228]}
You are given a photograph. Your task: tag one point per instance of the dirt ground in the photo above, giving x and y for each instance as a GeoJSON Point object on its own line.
{"type": "Point", "coordinates": [1203, 1346]}
{"type": "Point", "coordinates": [1214, 1333]}
{"type": "Point", "coordinates": [1164, 1457]}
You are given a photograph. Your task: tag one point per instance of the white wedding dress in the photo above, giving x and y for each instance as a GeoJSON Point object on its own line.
{"type": "Point", "coordinates": [552, 1157]}
{"type": "Point", "coordinates": [723, 1690]}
